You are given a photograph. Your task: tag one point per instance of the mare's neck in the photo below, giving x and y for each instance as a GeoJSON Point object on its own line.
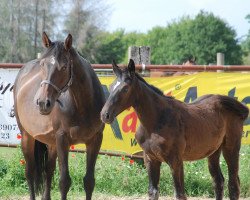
{"type": "Point", "coordinates": [148, 105]}
{"type": "Point", "coordinates": [82, 85]}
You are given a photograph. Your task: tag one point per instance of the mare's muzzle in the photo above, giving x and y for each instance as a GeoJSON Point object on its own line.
{"type": "Point", "coordinates": [45, 106]}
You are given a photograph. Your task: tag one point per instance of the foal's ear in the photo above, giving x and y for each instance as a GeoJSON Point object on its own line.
{"type": "Point", "coordinates": [116, 69]}
{"type": "Point", "coordinates": [68, 42]}
{"type": "Point", "coordinates": [131, 67]}
{"type": "Point", "coordinates": [46, 41]}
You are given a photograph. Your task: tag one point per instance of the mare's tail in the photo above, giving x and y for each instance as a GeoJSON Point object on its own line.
{"type": "Point", "coordinates": [41, 158]}
{"type": "Point", "coordinates": [234, 106]}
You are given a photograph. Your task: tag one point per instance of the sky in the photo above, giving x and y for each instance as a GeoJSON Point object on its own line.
{"type": "Point", "coordinates": [142, 15]}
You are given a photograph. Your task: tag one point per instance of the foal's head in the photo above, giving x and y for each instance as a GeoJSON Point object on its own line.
{"type": "Point", "coordinates": [121, 92]}
{"type": "Point", "coordinates": [56, 72]}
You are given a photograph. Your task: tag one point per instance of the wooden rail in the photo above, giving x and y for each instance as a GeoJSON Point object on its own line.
{"type": "Point", "coordinates": [198, 68]}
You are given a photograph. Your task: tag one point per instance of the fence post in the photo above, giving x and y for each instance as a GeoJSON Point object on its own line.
{"type": "Point", "coordinates": [220, 60]}
{"type": "Point", "coordinates": [140, 55]}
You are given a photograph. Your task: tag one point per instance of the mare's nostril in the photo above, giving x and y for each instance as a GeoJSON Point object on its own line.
{"type": "Point", "coordinates": [48, 103]}
{"type": "Point", "coordinates": [107, 115]}
{"type": "Point", "coordinates": [37, 102]}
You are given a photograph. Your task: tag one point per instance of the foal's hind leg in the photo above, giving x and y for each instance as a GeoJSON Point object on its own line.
{"type": "Point", "coordinates": [215, 171]}
{"type": "Point", "coordinates": [50, 168]}
{"type": "Point", "coordinates": [153, 168]}
{"type": "Point", "coordinates": [231, 154]}
{"type": "Point", "coordinates": [92, 152]}
{"type": "Point", "coordinates": [28, 144]}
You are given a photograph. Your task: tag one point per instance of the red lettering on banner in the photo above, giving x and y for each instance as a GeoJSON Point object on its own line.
{"type": "Point", "coordinates": [129, 122]}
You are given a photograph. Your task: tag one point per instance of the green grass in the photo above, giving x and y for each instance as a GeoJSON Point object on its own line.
{"type": "Point", "coordinates": [118, 177]}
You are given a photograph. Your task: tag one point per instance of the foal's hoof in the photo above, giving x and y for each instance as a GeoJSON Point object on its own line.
{"type": "Point", "coordinates": [153, 195]}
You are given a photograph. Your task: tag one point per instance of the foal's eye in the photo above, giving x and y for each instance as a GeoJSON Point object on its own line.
{"type": "Point", "coordinates": [64, 68]}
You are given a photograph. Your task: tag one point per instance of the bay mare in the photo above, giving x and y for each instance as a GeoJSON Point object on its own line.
{"type": "Point", "coordinates": [172, 131]}
{"type": "Point", "coordinates": [57, 102]}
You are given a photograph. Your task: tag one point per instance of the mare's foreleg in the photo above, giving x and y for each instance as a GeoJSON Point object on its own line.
{"type": "Point", "coordinates": [50, 168]}
{"type": "Point", "coordinates": [28, 145]}
{"type": "Point", "coordinates": [153, 168]}
{"type": "Point", "coordinates": [215, 171]}
{"type": "Point", "coordinates": [62, 146]}
{"type": "Point", "coordinates": [93, 149]}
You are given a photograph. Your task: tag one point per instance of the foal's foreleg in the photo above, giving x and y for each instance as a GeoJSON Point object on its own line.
{"type": "Point", "coordinates": [28, 144]}
{"type": "Point", "coordinates": [215, 171]}
{"type": "Point", "coordinates": [50, 168]}
{"type": "Point", "coordinates": [153, 168]}
{"type": "Point", "coordinates": [62, 146]}
{"type": "Point", "coordinates": [92, 152]}
{"type": "Point", "coordinates": [176, 166]}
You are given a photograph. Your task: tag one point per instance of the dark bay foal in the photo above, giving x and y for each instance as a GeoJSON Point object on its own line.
{"type": "Point", "coordinates": [172, 131]}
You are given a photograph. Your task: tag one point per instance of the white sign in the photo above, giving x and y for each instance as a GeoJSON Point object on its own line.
{"type": "Point", "coordinates": [9, 131]}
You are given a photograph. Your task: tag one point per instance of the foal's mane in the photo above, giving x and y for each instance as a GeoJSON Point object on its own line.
{"type": "Point", "coordinates": [155, 89]}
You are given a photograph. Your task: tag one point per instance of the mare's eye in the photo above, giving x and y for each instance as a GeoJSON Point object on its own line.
{"type": "Point", "coordinates": [125, 89]}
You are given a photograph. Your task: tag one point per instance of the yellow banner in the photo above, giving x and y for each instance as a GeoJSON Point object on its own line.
{"type": "Point", "coordinates": [120, 136]}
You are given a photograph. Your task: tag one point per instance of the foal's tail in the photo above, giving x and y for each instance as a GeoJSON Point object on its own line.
{"type": "Point", "coordinates": [41, 158]}
{"type": "Point", "coordinates": [234, 106]}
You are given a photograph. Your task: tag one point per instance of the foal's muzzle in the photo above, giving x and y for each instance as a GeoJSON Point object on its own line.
{"type": "Point", "coordinates": [106, 117]}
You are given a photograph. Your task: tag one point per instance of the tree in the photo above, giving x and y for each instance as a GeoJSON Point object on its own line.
{"type": "Point", "coordinates": [85, 19]}
{"type": "Point", "coordinates": [201, 37]}
{"type": "Point", "coordinates": [22, 22]}
{"type": "Point", "coordinates": [246, 45]}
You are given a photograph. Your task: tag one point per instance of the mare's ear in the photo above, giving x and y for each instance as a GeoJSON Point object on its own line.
{"type": "Point", "coordinates": [131, 67]}
{"type": "Point", "coordinates": [46, 41]}
{"type": "Point", "coordinates": [116, 69]}
{"type": "Point", "coordinates": [68, 42]}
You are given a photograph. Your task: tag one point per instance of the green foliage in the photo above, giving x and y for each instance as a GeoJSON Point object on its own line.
{"type": "Point", "coordinates": [105, 46]}
{"type": "Point", "coordinates": [246, 45]}
{"type": "Point", "coordinates": [118, 177]}
{"type": "Point", "coordinates": [201, 37]}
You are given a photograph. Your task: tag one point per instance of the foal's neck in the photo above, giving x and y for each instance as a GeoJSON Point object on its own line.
{"type": "Point", "coordinates": [148, 104]}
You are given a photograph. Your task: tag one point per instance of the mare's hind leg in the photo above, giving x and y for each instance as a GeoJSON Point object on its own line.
{"type": "Point", "coordinates": [215, 171]}
{"type": "Point", "coordinates": [230, 151]}
{"type": "Point", "coordinates": [28, 144]}
{"type": "Point", "coordinates": [62, 146]}
{"type": "Point", "coordinates": [153, 168]}
{"type": "Point", "coordinates": [92, 150]}
{"type": "Point", "coordinates": [50, 168]}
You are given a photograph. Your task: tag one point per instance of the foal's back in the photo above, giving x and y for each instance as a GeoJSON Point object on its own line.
{"type": "Point", "coordinates": [210, 121]}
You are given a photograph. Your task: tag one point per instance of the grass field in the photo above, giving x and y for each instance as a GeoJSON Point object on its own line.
{"type": "Point", "coordinates": [118, 177]}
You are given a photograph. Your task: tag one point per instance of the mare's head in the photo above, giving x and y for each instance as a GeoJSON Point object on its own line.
{"type": "Point", "coordinates": [56, 72]}
{"type": "Point", "coordinates": [121, 92]}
